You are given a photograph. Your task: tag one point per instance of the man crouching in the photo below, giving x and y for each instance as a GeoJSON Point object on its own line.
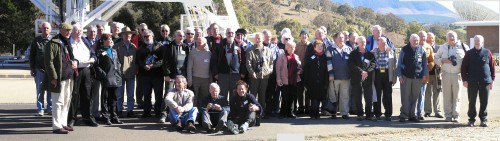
{"type": "Point", "coordinates": [180, 100]}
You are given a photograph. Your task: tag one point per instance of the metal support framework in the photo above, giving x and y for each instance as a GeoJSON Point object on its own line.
{"type": "Point", "coordinates": [196, 12]}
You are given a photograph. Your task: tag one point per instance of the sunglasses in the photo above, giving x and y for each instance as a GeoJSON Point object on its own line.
{"type": "Point", "coordinates": [164, 30]}
{"type": "Point", "coordinates": [189, 33]}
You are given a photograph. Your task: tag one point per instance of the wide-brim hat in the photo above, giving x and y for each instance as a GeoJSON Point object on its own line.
{"type": "Point", "coordinates": [126, 30]}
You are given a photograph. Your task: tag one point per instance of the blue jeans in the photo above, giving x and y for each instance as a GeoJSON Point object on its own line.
{"type": "Point", "coordinates": [130, 84]}
{"type": "Point", "coordinates": [421, 100]}
{"type": "Point", "coordinates": [185, 117]}
{"type": "Point", "coordinates": [39, 75]}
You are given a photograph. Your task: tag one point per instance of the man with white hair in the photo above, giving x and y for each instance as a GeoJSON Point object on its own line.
{"type": "Point", "coordinates": [430, 65]}
{"type": "Point", "coordinates": [433, 89]}
{"type": "Point", "coordinates": [411, 69]}
{"type": "Point", "coordinates": [450, 56]}
{"type": "Point", "coordinates": [478, 74]}
{"type": "Point", "coordinates": [385, 78]}
{"type": "Point", "coordinates": [164, 39]}
{"type": "Point", "coordinates": [190, 38]}
{"type": "Point", "coordinates": [37, 68]}
{"type": "Point", "coordinates": [115, 31]}
{"type": "Point", "coordinates": [371, 41]}
{"type": "Point", "coordinates": [214, 110]}
{"type": "Point", "coordinates": [81, 96]}
{"type": "Point", "coordinates": [198, 70]}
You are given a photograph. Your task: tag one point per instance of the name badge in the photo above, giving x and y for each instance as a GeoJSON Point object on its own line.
{"type": "Point", "coordinates": [347, 57]}
{"type": "Point", "coordinates": [328, 54]}
{"type": "Point", "coordinates": [182, 52]}
{"type": "Point", "coordinates": [382, 69]}
{"type": "Point", "coordinates": [367, 61]}
{"type": "Point", "coordinates": [314, 56]}
{"type": "Point", "coordinates": [245, 103]}
{"type": "Point", "coordinates": [206, 60]}
{"type": "Point", "coordinates": [419, 58]}
{"type": "Point", "coordinates": [104, 53]}
{"type": "Point", "coordinates": [165, 42]}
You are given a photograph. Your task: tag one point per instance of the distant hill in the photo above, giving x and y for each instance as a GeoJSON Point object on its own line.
{"type": "Point", "coordinates": [424, 18]}
{"type": "Point", "coordinates": [419, 9]}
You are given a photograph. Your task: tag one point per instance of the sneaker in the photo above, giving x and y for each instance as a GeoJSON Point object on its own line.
{"type": "Point", "coordinates": [427, 115]}
{"type": "Point", "coordinates": [233, 128]}
{"type": "Point", "coordinates": [388, 118]}
{"type": "Point", "coordinates": [244, 127]}
{"type": "Point", "coordinates": [439, 116]}
{"type": "Point", "coordinates": [448, 119]}
{"type": "Point", "coordinates": [162, 120]}
{"type": "Point", "coordinates": [178, 126]}
{"type": "Point", "coordinates": [484, 124]}
{"type": "Point", "coordinates": [39, 114]}
{"type": "Point", "coordinates": [471, 124]}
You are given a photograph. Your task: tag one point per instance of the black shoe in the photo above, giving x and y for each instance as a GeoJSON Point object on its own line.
{"type": "Point", "coordinates": [360, 118]}
{"type": "Point", "coordinates": [60, 131]}
{"type": "Point", "coordinates": [140, 107]}
{"type": "Point", "coordinates": [219, 126]}
{"type": "Point", "coordinates": [484, 124]}
{"type": "Point", "coordinates": [420, 118]}
{"type": "Point", "coordinates": [378, 118]}
{"type": "Point", "coordinates": [345, 117]}
{"type": "Point", "coordinates": [427, 115]}
{"type": "Point", "coordinates": [146, 115]}
{"type": "Point", "coordinates": [178, 126]}
{"type": "Point", "coordinates": [292, 116]}
{"type": "Point", "coordinates": [108, 122]}
{"type": "Point", "coordinates": [116, 121]}
{"type": "Point", "coordinates": [131, 115]}
{"type": "Point", "coordinates": [388, 118]}
{"type": "Point", "coordinates": [190, 127]}
{"type": "Point", "coordinates": [333, 117]}
{"type": "Point", "coordinates": [68, 128]}
{"type": "Point", "coordinates": [402, 119]}
{"type": "Point", "coordinates": [120, 114]}
{"type": "Point", "coordinates": [439, 116]}
{"type": "Point", "coordinates": [91, 123]}
{"type": "Point", "coordinates": [414, 119]}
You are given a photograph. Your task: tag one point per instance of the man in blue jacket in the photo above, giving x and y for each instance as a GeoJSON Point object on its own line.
{"type": "Point", "coordinates": [371, 41]}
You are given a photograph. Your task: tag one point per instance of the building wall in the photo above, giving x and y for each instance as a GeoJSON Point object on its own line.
{"type": "Point", "coordinates": [490, 34]}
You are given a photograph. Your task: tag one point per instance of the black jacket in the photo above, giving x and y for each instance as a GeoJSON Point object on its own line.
{"type": "Point", "coordinates": [218, 62]}
{"type": "Point", "coordinates": [239, 105]}
{"type": "Point", "coordinates": [316, 76]}
{"type": "Point", "coordinates": [170, 53]}
{"type": "Point", "coordinates": [108, 68]}
{"type": "Point", "coordinates": [143, 53]}
{"type": "Point", "coordinates": [358, 65]}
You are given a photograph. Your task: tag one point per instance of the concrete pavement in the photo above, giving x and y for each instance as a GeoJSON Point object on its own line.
{"type": "Point", "coordinates": [18, 123]}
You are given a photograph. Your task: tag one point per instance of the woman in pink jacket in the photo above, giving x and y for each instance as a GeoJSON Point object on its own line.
{"type": "Point", "coordinates": [287, 76]}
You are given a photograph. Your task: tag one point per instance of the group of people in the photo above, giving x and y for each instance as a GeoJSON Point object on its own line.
{"type": "Point", "coordinates": [230, 82]}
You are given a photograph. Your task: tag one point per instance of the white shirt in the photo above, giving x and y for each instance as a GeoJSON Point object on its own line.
{"type": "Point", "coordinates": [375, 44]}
{"type": "Point", "coordinates": [81, 52]}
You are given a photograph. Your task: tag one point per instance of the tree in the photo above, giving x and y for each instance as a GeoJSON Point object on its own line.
{"type": "Point", "coordinates": [155, 14]}
{"type": "Point", "coordinates": [298, 8]}
{"type": "Point", "coordinates": [391, 23]}
{"type": "Point", "coordinates": [125, 16]}
{"type": "Point", "coordinates": [345, 10]}
{"type": "Point", "coordinates": [262, 14]}
{"type": "Point", "coordinates": [241, 9]}
{"type": "Point", "coordinates": [293, 24]}
{"type": "Point", "coordinates": [18, 22]}
{"type": "Point", "coordinates": [413, 28]}
{"type": "Point", "coordinates": [333, 22]}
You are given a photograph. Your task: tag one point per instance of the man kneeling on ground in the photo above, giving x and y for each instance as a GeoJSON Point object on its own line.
{"type": "Point", "coordinates": [215, 109]}
{"type": "Point", "coordinates": [245, 107]}
{"type": "Point", "coordinates": [180, 100]}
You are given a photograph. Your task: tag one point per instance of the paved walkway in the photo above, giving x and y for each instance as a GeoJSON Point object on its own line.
{"type": "Point", "coordinates": [18, 123]}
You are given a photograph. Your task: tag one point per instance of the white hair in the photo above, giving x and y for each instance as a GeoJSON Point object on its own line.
{"type": "Point", "coordinates": [164, 26]}
{"type": "Point", "coordinates": [414, 36]}
{"type": "Point", "coordinates": [376, 27]}
{"type": "Point", "coordinates": [45, 23]}
{"type": "Point", "coordinates": [286, 30]}
{"type": "Point", "coordinates": [453, 33]}
{"type": "Point", "coordinates": [215, 86]}
{"type": "Point", "coordinates": [481, 39]}
{"type": "Point", "coordinates": [189, 29]}
{"type": "Point", "coordinates": [361, 38]}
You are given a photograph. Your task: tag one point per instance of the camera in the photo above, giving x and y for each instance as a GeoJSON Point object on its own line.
{"type": "Point", "coordinates": [259, 64]}
{"type": "Point", "coordinates": [453, 60]}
